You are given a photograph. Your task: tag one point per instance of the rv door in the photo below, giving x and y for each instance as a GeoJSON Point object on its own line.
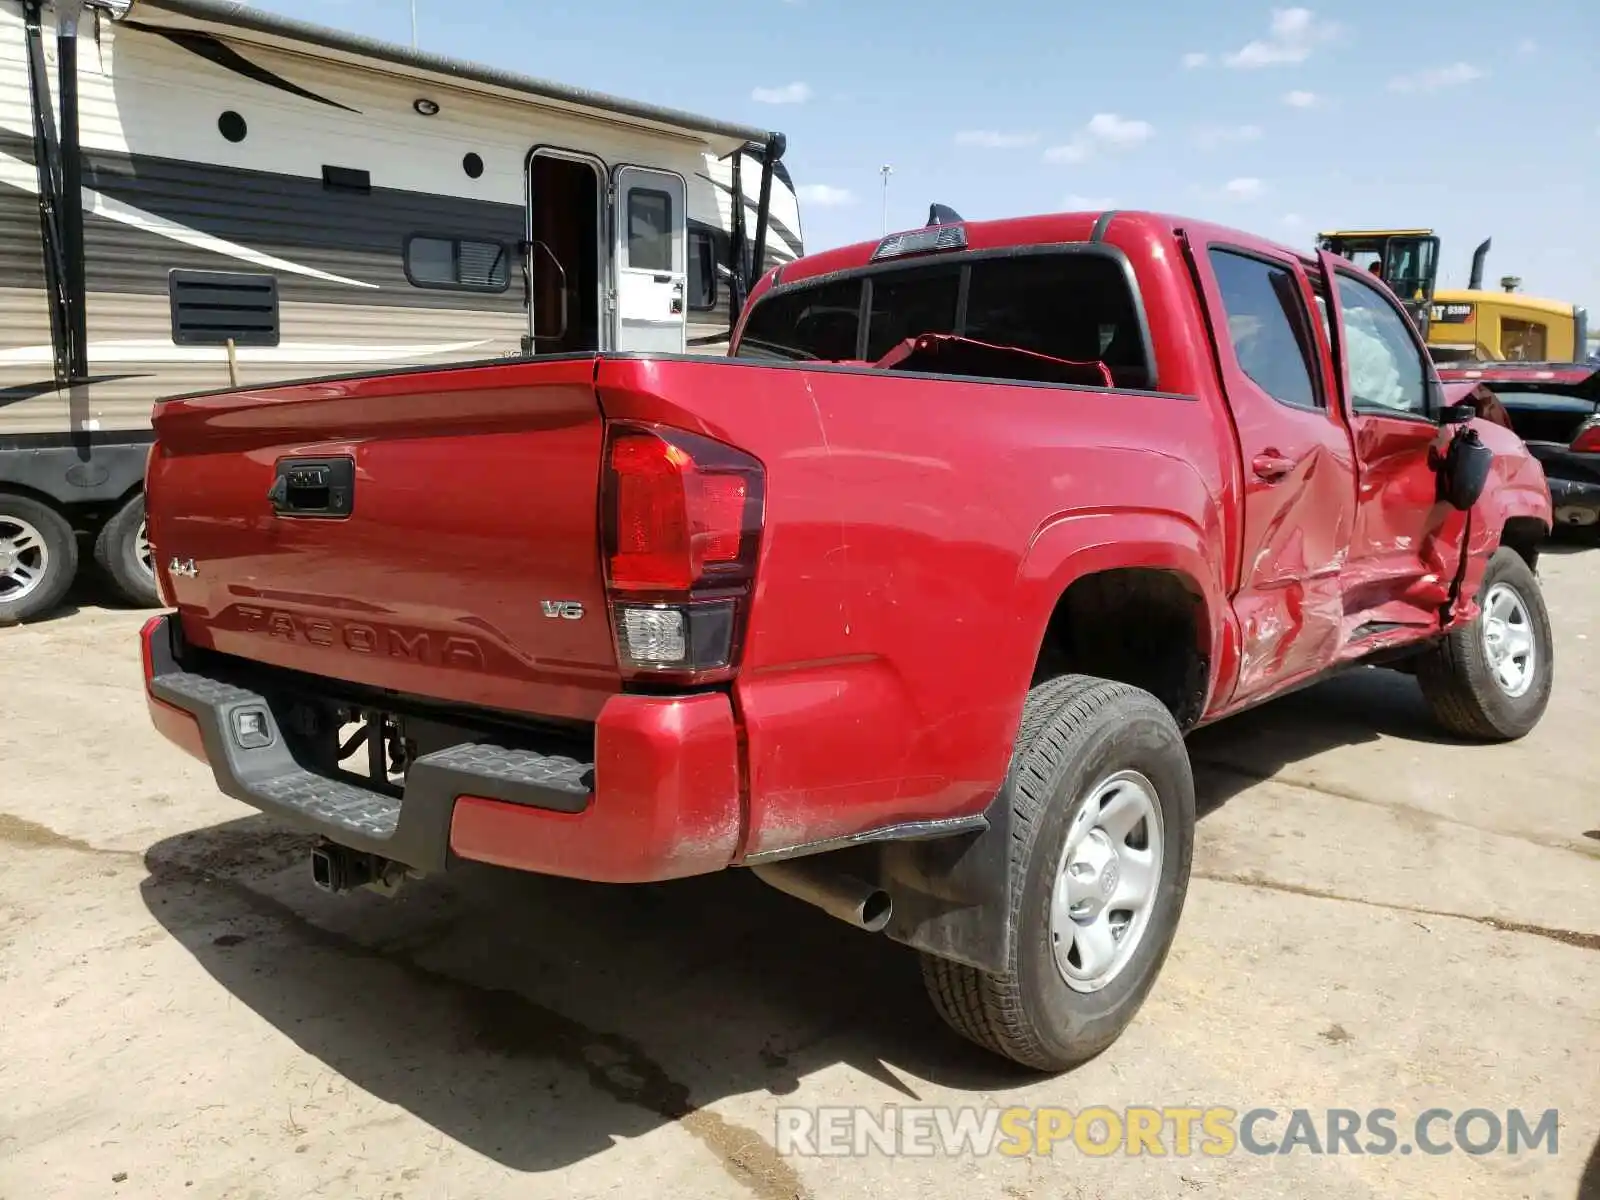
{"type": "Point", "coordinates": [650, 260]}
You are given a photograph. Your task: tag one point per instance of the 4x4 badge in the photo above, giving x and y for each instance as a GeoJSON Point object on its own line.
{"type": "Point", "coordinates": [184, 567]}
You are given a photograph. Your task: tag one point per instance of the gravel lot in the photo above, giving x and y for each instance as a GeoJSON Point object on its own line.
{"type": "Point", "coordinates": [1379, 918]}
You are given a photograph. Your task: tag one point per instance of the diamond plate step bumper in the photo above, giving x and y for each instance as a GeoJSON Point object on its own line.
{"type": "Point", "coordinates": [253, 763]}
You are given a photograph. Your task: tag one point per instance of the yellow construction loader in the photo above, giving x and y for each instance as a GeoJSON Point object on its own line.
{"type": "Point", "coordinates": [1471, 323]}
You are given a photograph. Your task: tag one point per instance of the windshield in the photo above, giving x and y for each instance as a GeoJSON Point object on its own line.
{"type": "Point", "coordinates": [1068, 305]}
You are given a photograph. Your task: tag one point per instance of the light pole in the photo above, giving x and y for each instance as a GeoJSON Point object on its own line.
{"type": "Point", "coordinates": [886, 170]}
{"type": "Point", "coordinates": [413, 24]}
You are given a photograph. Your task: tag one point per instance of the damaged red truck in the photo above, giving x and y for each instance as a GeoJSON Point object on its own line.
{"type": "Point", "coordinates": [906, 605]}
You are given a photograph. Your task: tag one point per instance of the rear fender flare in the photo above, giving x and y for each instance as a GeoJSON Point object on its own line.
{"type": "Point", "coordinates": [1083, 544]}
{"type": "Point", "coordinates": [951, 896]}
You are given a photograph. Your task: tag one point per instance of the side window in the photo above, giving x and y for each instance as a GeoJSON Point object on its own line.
{"type": "Point", "coordinates": [1269, 327]}
{"type": "Point", "coordinates": [702, 271]}
{"type": "Point", "coordinates": [649, 230]}
{"type": "Point", "coordinates": [816, 321]}
{"type": "Point", "coordinates": [1386, 369]}
{"type": "Point", "coordinates": [457, 263]}
{"type": "Point", "coordinates": [1522, 339]}
{"type": "Point", "coordinates": [1073, 306]}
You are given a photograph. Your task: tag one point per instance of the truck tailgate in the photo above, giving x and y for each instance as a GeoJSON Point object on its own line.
{"type": "Point", "coordinates": [467, 567]}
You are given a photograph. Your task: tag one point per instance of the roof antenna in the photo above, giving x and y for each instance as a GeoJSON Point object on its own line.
{"type": "Point", "coordinates": [943, 214]}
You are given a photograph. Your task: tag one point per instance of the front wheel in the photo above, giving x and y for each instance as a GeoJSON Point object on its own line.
{"type": "Point", "coordinates": [1102, 800]}
{"type": "Point", "coordinates": [1491, 679]}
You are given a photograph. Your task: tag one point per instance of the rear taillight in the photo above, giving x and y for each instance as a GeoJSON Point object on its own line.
{"type": "Point", "coordinates": [682, 518]}
{"type": "Point", "coordinates": [1588, 439]}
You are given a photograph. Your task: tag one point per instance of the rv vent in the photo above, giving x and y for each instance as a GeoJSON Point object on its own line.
{"type": "Point", "coordinates": [346, 179]}
{"type": "Point", "coordinates": [210, 307]}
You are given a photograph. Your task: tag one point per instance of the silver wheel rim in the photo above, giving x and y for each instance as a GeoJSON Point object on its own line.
{"type": "Point", "coordinates": [1105, 893]}
{"type": "Point", "coordinates": [141, 549]}
{"type": "Point", "coordinates": [1508, 640]}
{"type": "Point", "coordinates": [24, 558]}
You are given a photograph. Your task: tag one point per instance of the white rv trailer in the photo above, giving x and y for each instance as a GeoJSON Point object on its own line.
{"type": "Point", "coordinates": [193, 192]}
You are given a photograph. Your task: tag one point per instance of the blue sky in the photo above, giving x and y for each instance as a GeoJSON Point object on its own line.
{"type": "Point", "coordinates": [1477, 118]}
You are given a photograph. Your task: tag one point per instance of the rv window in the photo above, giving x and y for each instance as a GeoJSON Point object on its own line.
{"type": "Point", "coordinates": [702, 272]}
{"type": "Point", "coordinates": [435, 262]}
{"type": "Point", "coordinates": [649, 230]}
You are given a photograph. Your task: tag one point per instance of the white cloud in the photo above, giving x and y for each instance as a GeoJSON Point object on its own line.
{"type": "Point", "coordinates": [1298, 99]}
{"type": "Point", "coordinates": [1075, 151]}
{"type": "Point", "coordinates": [1246, 188]}
{"type": "Point", "coordinates": [1294, 33]}
{"type": "Point", "coordinates": [1435, 78]}
{"type": "Point", "coordinates": [1196, 58]}
{"type": "Point", "coordinates": [1104, 130]}
{"type": "Point", "coordinates": [789, 93]}
{"type": "Point", "coordinates": [824, 195]}
{"type": "Point", "coordinates": [1119, 131]}
{"type": "Point", "coordinates": [991, 139]}
{"type": "Point", "coordinates": [1209, 137]}
{"type": "Point", "coordinates": [1077, 203]}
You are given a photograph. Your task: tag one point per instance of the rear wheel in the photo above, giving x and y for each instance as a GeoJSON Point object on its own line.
{"type": "Point", "coordinates": [1103, 832]}
{"type": "Point", "coordinates": [1491, 679]}
{"type": "Point", "coordinates": [38, 558]}
{"type": "Point", "coordinates": [123, 551]}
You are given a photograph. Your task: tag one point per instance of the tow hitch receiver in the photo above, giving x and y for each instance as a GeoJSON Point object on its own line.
{"type": "Point", "coordinates": [336, 868]}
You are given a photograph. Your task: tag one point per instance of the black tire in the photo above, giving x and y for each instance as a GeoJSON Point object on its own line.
{"type": "Point", "coordinates": [1076, 731]}
{"type": "Point", "coordinates": [1458, 680]}
{"type": "Point", "coordinates": [56, 562]}
{"type": "Point", "coordinates": [116, 549]}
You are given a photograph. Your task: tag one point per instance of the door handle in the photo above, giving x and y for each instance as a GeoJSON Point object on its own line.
{"type": "Point", "coordinates": [1271, 466]}
{"type": "Point", "coordinates": [562, 271]}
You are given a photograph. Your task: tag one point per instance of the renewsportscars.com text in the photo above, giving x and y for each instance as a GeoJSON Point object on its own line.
{"type": "Point", "coordinates": [1177, 1132]}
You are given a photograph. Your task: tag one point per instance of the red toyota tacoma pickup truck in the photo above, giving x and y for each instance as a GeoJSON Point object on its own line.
{"type": "Point", "coordinates": [906, 604]}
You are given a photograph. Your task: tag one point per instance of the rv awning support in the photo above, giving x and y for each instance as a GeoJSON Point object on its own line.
{"type": "Point", "coordinates": [744, 261]}
{"type": "Point", "coordinates": [60, 171]}
{"type": "Point", "coordinates": [776, 145]}
{"type": "Point", "coordinates": [68, 14]}
{"type": "Point", "coordinates": [736, 242]}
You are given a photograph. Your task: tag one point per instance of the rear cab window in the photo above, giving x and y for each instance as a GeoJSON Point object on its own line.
{"type": "Point", "coordinates": [1068, 302]}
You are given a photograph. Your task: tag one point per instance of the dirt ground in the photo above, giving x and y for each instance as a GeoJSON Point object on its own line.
{"type": "Point", "coordinates": [1379, 918]}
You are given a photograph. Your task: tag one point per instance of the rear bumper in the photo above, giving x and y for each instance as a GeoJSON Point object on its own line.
{"type": "Point", "coordinates": [1574, 501]}
{"type": "Point", "coordinates": [661, 799]}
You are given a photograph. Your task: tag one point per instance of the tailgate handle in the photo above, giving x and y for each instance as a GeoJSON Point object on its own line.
{"type": "Point", "coordinates": [313, 487]}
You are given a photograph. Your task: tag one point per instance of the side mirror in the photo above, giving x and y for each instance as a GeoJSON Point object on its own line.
{"type": "Point", "coordinates": [1465, 470]}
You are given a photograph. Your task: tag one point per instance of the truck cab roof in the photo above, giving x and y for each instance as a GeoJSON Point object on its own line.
{"type": "Point", "coordinates": [1130, 227]}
